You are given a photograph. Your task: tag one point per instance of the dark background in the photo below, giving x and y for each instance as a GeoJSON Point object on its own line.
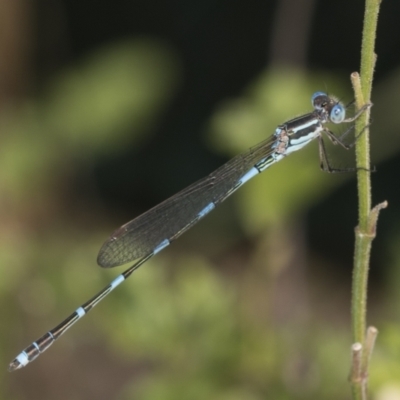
{"type": "Point", "coordinates": [108, 108]}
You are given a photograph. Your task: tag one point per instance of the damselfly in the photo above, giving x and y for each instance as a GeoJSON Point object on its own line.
{"type": "Point", "coordinates": [151, 232]}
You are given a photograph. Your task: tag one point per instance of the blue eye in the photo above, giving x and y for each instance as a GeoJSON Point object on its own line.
{"type": "Point", "coordinates": [337, 114]}
{"type": "Point", "coordinates": [315, 95]}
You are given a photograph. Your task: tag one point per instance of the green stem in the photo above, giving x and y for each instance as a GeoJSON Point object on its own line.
{"type": "Point", "coordinates": [363, 89]}
{"type": "Point", "coordinates": [365, 232]}
{"type": "Point", "coordinates": [363, 93]}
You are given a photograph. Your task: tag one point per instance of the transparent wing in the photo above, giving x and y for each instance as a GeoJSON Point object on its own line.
{"type": "Point", "coordinates": [140, 236]}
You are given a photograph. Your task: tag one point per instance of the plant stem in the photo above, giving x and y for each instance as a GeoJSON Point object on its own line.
{"type": "Point", "coordinates": [365, 232]}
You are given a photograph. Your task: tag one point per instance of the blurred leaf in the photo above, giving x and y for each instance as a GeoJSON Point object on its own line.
{"type": "Point", "coordinates": [97, 106]}
{"type": "Point", "coordinates": [113, 96]}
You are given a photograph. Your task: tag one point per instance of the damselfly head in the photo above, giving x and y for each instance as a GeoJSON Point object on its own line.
{"type": "Point", "coordinates": [333, 110]}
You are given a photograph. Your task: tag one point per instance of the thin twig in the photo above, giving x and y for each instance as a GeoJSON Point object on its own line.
{"type": "Point", "coordinates": [366, 230]}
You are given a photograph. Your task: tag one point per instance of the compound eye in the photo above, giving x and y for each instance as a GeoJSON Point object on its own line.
{"type": "Point", "coordinates": [315, 96]}
{"type": "Point", "coordinates": [337, 114]}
